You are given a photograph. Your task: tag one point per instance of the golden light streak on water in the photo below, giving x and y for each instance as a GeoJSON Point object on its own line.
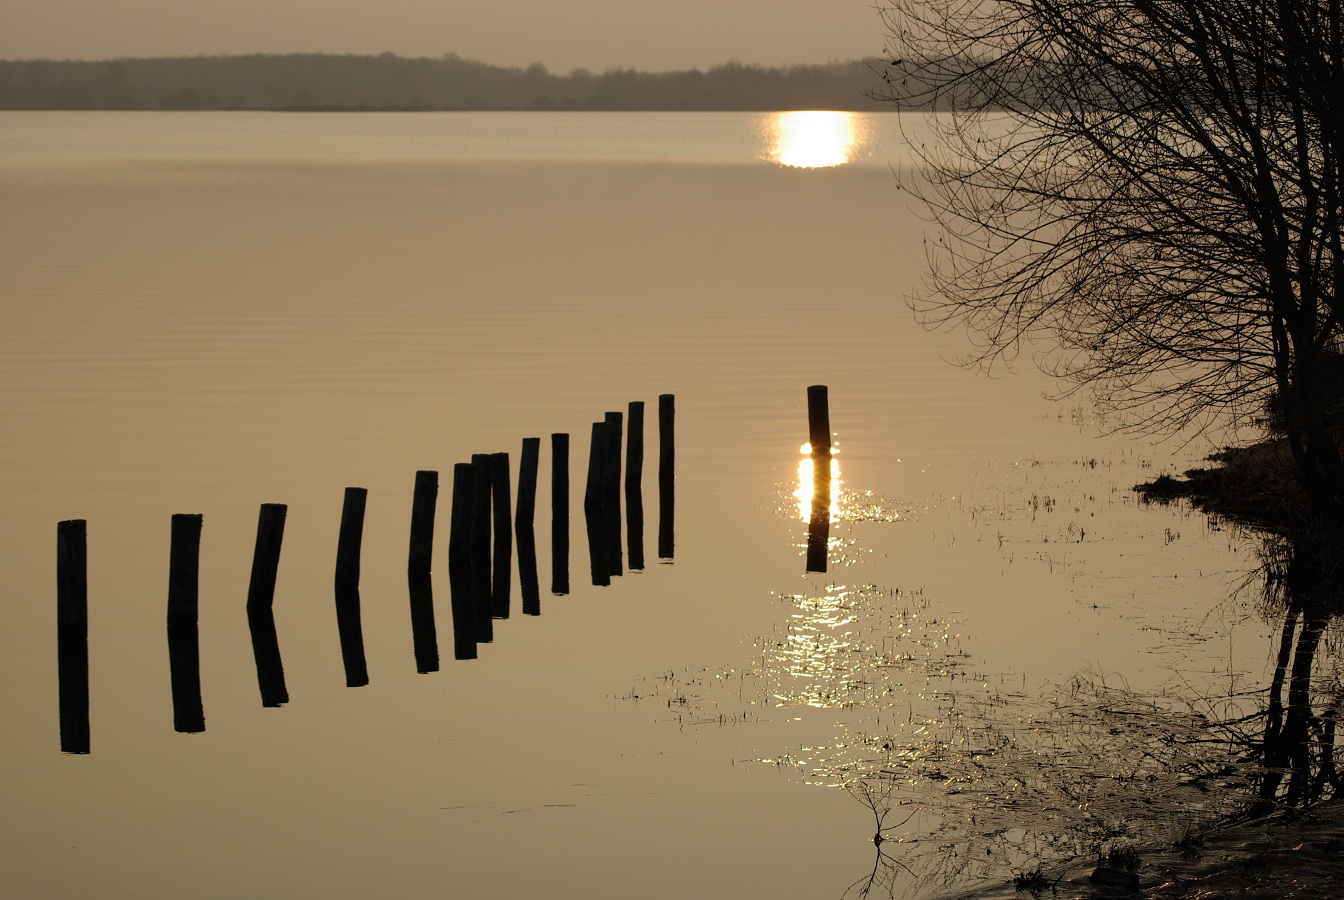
{"type": "Point", "coordinates": [815, 139]}
{"type": "Point", "coordinates": [803, 492]}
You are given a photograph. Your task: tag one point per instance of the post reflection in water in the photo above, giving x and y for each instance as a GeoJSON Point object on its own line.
{"type": "Point", "coordinates": [813, 488]}
{"type": "Point", "coordinates": [266, 650]}
{"type": "Point", "coordinates": [815, 139]}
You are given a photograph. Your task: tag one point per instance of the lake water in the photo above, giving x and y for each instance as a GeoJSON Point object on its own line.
{"type": "Point", "coordinates": [201, 313]}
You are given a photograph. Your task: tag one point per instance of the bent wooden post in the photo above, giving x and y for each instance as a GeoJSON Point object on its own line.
{"type": "Point", "coordinates": [420, 564]}
{"type": "Point", "coordinates": [523, 526]}
{"type": "Point", "coordinates": [348, 620]}
{"type": "Point", "coordinates": [260, 597]}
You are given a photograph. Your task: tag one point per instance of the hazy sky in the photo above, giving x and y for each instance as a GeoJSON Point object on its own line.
{"type": "Point", "coordinates": [653, 35]}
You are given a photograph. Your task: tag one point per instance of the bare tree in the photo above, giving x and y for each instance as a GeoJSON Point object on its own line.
{"type": "Point", "coordinates": [1152, 185]}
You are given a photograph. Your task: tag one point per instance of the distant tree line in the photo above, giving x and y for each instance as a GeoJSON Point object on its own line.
{"type": "Point", "coordinates": [389, 82]}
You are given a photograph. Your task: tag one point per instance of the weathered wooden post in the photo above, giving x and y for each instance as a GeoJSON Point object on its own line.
{"type": "Point", "coordinates": [260, 597]}
{"type": "Point", "coordinates": [611, 490]}
{"type": "Point", "coordinates": [480, 552]}
{"type": "Point", "coordinates": [523, 526]}
{"type": "Point", "coordinates": [634, 476]}
{"type": "Point", "coordinates": [667, 468]}
{"type": "Point", "coordinates": [560, 513]}
{"type": "Point", "coordinates": [72, 633]}
{"type": "Point", "coordinates": [419, 568]}
{"type": "Point", "coordinates": [348, 621]}
{"type": "Point", "coordinates": [460, 562]}
{"type": "Point", "coordinates": [266, 556]}
{"type": "Point", "coordinates": [594, 511]}
{"type": "Point", "coordinates": [351, 537]}
{"type": "Point", "coordinates": [819, 431]}
{"type": "Point", "coordinates": [184, 654]}
{"type": "Point", "coordinates": [422, 521]}
{"type": "Point", "coordinates": [501, 577]}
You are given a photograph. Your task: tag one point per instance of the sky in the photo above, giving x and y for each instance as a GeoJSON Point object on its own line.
{"type": "Point", "coordinates": [651, 35]}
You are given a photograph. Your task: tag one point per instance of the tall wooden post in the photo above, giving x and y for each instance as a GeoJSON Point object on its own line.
{"type": "Point", "coordinates": [502, 572]}
{"type": "Point", "coordinates": [184, 655]}
{"type": "Point", "coordinates": [594, 504]}
{"type": "Point", "coordinates": [611, 489]}
{"type": "Point", "coordinates": [480, 548]}
{"type": "Point", "coordinates": [419, 569]}
{"type": "Point", "coordinates": [667, 468]}
{"type": "Point", "coordinates": [460, 561]}
{"type": "Point", "coordinates": [634, 475]}
{"type": "Point", "coordinates": [560, 513]}
{"type": "Point", "coordinates": [819, 430]}
{"type": "Point", "coordinates": [72, 633]}
{"type": "Point", "coordinates": [422, 522]}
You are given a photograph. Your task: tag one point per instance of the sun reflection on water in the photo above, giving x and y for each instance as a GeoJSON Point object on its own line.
{"type": "Point", "coordinates": [814, 139]}
{"type": "Point", "coordinates": [803, 493]}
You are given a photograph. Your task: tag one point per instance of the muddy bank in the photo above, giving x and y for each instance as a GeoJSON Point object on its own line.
{"type": "Point", "coordinates": [1251, 485]}
{"type": "Point", "coordinates": [1291, 855]}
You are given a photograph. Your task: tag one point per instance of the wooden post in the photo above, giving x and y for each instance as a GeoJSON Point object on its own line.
{"type": "Point", "coordinates": [560, 513]}
{"type": "Point", "coordinates": [348, 622]}
{"type": "Point", "coordinates": [480, 552]}
{"type": "Point", "coordinates": [594, 496]}
{"type": "Point", "coordinates": [266, 557]}
{"type": "Point", "coordinates": [422, 522]}
{"type": "Point", "coordinates": [612, 493]}
{"type": "Point", "coordinates": [424, 629]}
{"type": "Point", "coordinates": [266, 652]}
{"type": "Point", "coordinates": [72, 633]}
{"type": "Point", "coordinates": [420, 565]}
{"type": "Point", "coordinates": [523, 526]}
{"type": "Point", "coordinates": [634, 476]}
{"type": "Point", "coordinates": [460, 562]}
{"type": "Point", "coordinates": [501, 579]}
{"type": "Point", "coordinates": [260, 597]}
{"type": "Point", "coordinates": [184, 654]}
{"type": "Point", "coordinates": [819, 431]}
{"type": "Point", "coordinates": [351, 537]}
{"type": "Point", "coordinates": [667, 467]}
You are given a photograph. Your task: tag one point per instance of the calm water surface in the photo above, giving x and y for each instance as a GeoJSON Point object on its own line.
{"type": "Point", "coordinates": [205, 312]}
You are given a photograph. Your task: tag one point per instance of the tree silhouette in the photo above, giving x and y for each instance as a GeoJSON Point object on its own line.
{"type": "Point", "coordinates": [1153, 186]}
